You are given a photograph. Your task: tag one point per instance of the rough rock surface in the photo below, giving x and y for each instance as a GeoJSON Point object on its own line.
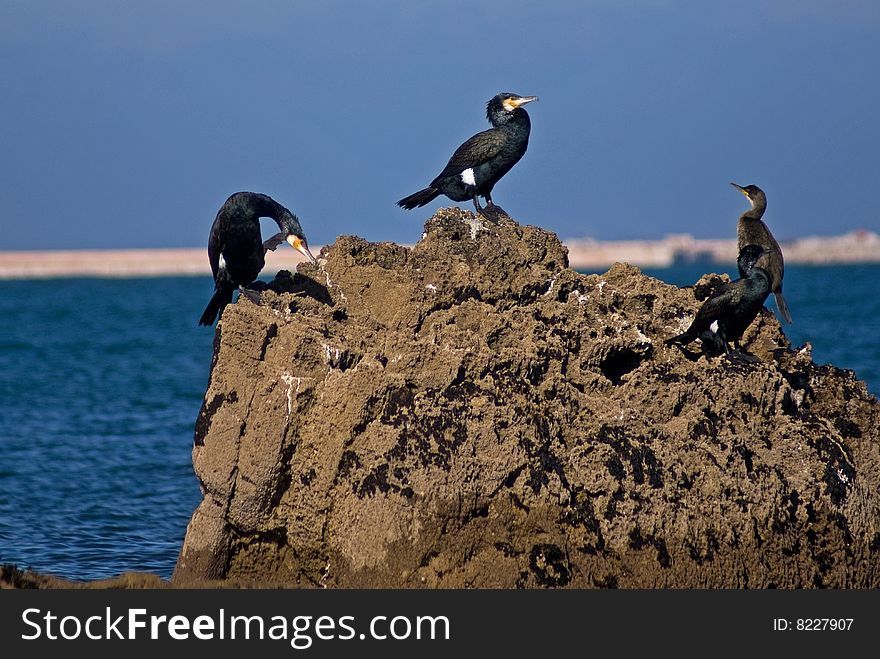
{"type": "Point", "coordinates": [472, 413]}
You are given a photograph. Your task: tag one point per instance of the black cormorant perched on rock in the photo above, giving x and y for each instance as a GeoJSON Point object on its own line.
{"type": "Point", "coordinates": [725, 316]}
{"type": "Point", "coordinates": [235, 247]}
{"type": "Point", "coordinates": [751, 230]}
{"type": "Point", "coordinates": [479, 163]}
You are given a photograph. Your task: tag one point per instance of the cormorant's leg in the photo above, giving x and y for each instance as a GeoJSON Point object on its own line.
{"type": "Point", "coordinates": [482, 211]}
{"type": "Point", "coordinates": [489, 202]}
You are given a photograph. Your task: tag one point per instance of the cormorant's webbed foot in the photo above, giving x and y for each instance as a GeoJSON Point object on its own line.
{"type": "Point", "coordinates": [251, 294]}
{"type": "Point", "coordinates": [272, 243]}
{"type": "Point", "coordinates": [492, 211]}
{"type": "Point", "coordinates": [486, 213]}
{"type": "Point", "coordinates": [742, 357]}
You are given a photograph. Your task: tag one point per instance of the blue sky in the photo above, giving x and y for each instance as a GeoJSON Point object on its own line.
{"type": "Point", "coordinates": [127, 124]}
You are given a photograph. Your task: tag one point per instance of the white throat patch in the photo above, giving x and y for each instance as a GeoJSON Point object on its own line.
{"type": "Point", "coordinates": [467, 176]}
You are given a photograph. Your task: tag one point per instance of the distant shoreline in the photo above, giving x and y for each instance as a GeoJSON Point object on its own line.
{"type": "Point", "coordinates": [855, 247]}
{"type": "Point", "coordinates": [123, 263]}
{"type": "Point", "coordinates": [583, 254]}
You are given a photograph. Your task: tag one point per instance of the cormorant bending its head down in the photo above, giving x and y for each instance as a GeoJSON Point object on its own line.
{"type": "Point", "coordinates": [751, 230]}
{"type": "Point", "coordinates": [236, 249]}
{"type": "Point", "coordinates": [725, 316]}
{"type": "Point", "coordinates": [479, 163]}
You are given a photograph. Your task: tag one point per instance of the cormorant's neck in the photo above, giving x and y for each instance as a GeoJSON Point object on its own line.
{"type": "Point", "coordinates": [760, 277]}
{"type": "Point", "coordinates": [756, 212]}
{"type": "Point", "coordinates": [745, 266]}
{"type": "Point", "coordinates": [264, 206]}
{"type": "Point", "coordinates": [519, 118]}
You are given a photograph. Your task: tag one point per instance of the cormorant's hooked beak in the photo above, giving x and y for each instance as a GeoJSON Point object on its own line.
{"type": "Point", "coordinates": [300, 246]}
{"type": "Point", "coordinates": [745, 194]}
{"type": "Point", "coordinates": [522, 100]}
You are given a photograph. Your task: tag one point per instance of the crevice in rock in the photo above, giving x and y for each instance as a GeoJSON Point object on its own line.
{"type": "Point", "coordinates": [619, 362]}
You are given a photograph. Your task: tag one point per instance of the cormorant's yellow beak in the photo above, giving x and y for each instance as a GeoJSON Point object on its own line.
{"type": "Point", "coordinates": [300, 246]}
{"type": "Point", "coordinates": [511, 104]}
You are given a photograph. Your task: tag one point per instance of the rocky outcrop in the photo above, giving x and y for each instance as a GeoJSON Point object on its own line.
{"type": "Point", "coordinates": [472, 413]}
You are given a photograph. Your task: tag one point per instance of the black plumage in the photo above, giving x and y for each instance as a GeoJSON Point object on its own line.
{"type": "Point", "coordinates": [725, 316]}
{"type": "Point", "coordinates": [751, 230]}
{"type": "Point", "coordinates": [236, 250]}
{"type": "Point", "coordinates": [479, 163]}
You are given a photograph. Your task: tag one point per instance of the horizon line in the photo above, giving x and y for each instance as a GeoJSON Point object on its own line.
{"type": "Point", "coordinates": [859, 246]}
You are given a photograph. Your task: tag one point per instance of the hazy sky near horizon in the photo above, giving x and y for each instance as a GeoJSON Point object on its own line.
{"type": "Point", "coordinates": [128, 124]}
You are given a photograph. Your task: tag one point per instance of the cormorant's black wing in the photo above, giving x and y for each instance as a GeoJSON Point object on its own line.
{"type": "Point", "coordinates": [215, 246]}
{"type": "Point", "coordinates": [724, 299]}
{"type": "Point", "coordinates": [475, 151]}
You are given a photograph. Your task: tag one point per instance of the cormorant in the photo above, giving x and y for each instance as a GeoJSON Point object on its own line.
{"type": "Point", "coordinates": [751, 230]}
{"type": "Point", "coordinates": [479, 163]}
{"type": "Point", "coordinates": [725, 316]}
{"type": "Point", "coordinates": [235, 247]}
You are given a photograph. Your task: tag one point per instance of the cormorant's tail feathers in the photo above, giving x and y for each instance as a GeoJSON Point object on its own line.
{"type": "Point", "coordinates": [419, 199]}
{"type": "Point", "coordinates": [681, 339]}
{"type": "Point", "coordinates": [783, 307]}
{"type": "Point", "coordinates": [222, 296]}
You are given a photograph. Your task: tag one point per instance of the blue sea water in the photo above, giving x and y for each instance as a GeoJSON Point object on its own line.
{"type": "Point", "coordinates": [101, 381]}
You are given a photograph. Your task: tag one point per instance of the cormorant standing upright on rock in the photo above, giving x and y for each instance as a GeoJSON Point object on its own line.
{"type": "Point", "coordinates": [479, 163]}
{"type": "Point", "coordinates": [751, 230]}
{"type": "Point", "coordinates": [235, 247]}
{"type": "Point", "coordinates": [725, 316]}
